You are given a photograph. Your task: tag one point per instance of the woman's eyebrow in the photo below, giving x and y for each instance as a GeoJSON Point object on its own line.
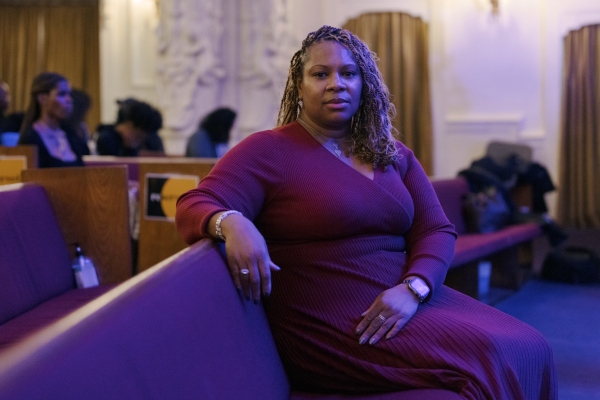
{"type": "Point", "coordinates": [329, 65]}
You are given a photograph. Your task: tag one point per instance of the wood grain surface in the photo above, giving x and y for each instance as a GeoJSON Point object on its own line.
{"type": "Point", "coordinates": [29, 151]}
{"type": "Point", "coordinates": [91, 204]}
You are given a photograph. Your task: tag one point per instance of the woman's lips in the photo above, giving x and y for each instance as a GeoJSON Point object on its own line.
{"type": "Point", "coordinates": [336, 101]}
{"type": "Point", "coordinates": [337, 104]}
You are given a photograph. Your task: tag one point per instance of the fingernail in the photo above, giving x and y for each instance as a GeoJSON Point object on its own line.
{"type": "Point", "coordinates": [357, 331]}
{"type": "Point", "coordinates": [363, 314]}
{"type": "Point", "coordinates": [373, 341]}
{"type": "Point", "coordinates": [362, 340]}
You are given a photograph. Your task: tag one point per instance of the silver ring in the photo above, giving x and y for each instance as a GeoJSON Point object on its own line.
{"type": "Point", "coordinates": [244, 271]}
{"type": "Point", "coordinates": [382, 318]}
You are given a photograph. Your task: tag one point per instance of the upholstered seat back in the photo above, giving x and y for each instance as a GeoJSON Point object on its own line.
{"type": "Point", "coordinates": [179, 330]}
{"type": "Point", "coordinates": [34, 262]}
{"type": "Point", "coordinates": [451, 194]}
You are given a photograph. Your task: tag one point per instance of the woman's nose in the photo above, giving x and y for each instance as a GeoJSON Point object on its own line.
{"type": "Point", "coordinates": [336, 82]}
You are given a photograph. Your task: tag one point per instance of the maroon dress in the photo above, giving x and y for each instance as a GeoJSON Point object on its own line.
{"type": "Point", "coordinates": [341, 239]}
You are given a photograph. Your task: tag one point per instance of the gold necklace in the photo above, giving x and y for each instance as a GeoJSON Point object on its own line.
{"type": "Point", "coordinates": [322, 138]}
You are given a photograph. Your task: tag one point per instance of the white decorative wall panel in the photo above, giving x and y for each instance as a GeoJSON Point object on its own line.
{"type": "Point", "coordinates": [503, 126]}
{"type": "Point", "coordinates": [142, 42]}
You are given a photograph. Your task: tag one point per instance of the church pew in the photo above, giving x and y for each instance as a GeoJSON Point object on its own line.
{"type": "Point", "coordinates": [178, 330]}
{"type": "Point", "coordinates": [41, 222]}
{"type": "Point", "coordinates": [91, 205]}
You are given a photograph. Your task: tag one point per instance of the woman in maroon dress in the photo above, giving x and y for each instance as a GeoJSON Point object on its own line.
{"type": "Point", "coordinates": [337, 223]}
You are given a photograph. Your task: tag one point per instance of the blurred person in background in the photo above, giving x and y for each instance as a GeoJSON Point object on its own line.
{"type": "Point", "coordinates": [213, 134]}
{"type": "Point", "coordinates": [135, 131]}
{"type": "Point", "coordinates": [81, 105]}
{"type": "Point", "coordinates": [45, 124]}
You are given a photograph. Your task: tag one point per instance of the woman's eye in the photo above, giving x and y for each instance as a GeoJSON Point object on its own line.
{"type": "Point", "coordinates": [320, 74]}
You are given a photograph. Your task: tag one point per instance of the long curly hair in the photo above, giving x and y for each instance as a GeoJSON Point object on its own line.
{"type": "Point", "coordinates": [371, 130]}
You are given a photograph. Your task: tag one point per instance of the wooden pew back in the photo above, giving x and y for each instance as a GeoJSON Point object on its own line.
{"type": "Point", "coordinates": [159, 239]}
{"type": "Point", "coordinates": [91, 205]}
{"type": "Point", "coordinates": [12, 163]}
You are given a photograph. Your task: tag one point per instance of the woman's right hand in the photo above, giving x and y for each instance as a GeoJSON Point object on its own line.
{"type": "Point", "coordinates": [248, 258]}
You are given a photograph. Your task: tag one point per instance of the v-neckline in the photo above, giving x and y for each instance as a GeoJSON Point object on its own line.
{"type": "Point", "coordinates": [339, 160]}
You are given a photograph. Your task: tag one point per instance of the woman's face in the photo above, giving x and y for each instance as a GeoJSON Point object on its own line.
{"type": "Point", "coordinates": [133, 137]}
{"type": "Point", "coordinates": [331, 85]}
{"type": "Point", "coordinates": [57, 104]}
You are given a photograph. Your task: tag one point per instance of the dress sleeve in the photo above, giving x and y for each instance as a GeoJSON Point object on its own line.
{"type": "Point", "coordinates": [430, 240]}
{"type": "Point", "coordinates": [245, 179]}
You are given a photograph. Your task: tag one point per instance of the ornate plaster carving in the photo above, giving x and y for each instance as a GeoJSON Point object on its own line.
{"type": "Point", "coordinates": [265, 43]}
{"type": "Point", "coordinates": [189, 34]}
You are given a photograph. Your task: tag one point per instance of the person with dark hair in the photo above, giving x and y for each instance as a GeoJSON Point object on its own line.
{"type": "Point", "coordinates": [135, 130]}
{"type": "Point", "coordinates": [9, 124]}
{"type": "Point", "coordinates": [81, 106]}
{"type": "Point", "coordinates": [44, 123]}
{"type": "Point", "coordinates": [213, 134]}
{"type": "Point", "coordinates": [4, 101]}
{"type": "Point", "coordinates": [334, 225]}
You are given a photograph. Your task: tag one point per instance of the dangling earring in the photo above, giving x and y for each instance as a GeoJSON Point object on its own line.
{"type": "Point", "coordinates": [300, 104]}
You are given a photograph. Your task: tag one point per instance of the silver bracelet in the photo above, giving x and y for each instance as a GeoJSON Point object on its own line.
{"type": "Point", "coordinates": [218, 230]}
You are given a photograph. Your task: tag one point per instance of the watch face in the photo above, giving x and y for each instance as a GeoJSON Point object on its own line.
{"type": "Point", "coordinates": [420, 287]}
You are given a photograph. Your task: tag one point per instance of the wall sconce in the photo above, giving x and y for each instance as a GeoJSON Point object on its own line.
{"type": "Point", "coordinates": [495, 7]}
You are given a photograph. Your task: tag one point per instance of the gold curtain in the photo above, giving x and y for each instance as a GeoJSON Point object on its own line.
{"type": "Point", "coordinates": [579, 164]}
{"type": "Point", "coordinates": [56, 38]}
{"type": "Point", "coordinates": [402, 45]}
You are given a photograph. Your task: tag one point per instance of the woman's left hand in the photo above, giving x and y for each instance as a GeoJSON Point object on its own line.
{"type": "Point", "coordinates": [390, 311]}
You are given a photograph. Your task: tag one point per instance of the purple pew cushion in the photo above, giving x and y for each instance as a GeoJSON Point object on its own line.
{"type": "Point", "coordinates": [451, 193]}
{"type": "Point", "coordinates": [420, 394]}
{"type": "Point", "coordinates": [470, 247]}
{"type": "Point", "coordinates": [46, 313]}
{"type": "Point", "coordinates": [34, 264]}
{"type": "Point", "coordinates": [177, 331]}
